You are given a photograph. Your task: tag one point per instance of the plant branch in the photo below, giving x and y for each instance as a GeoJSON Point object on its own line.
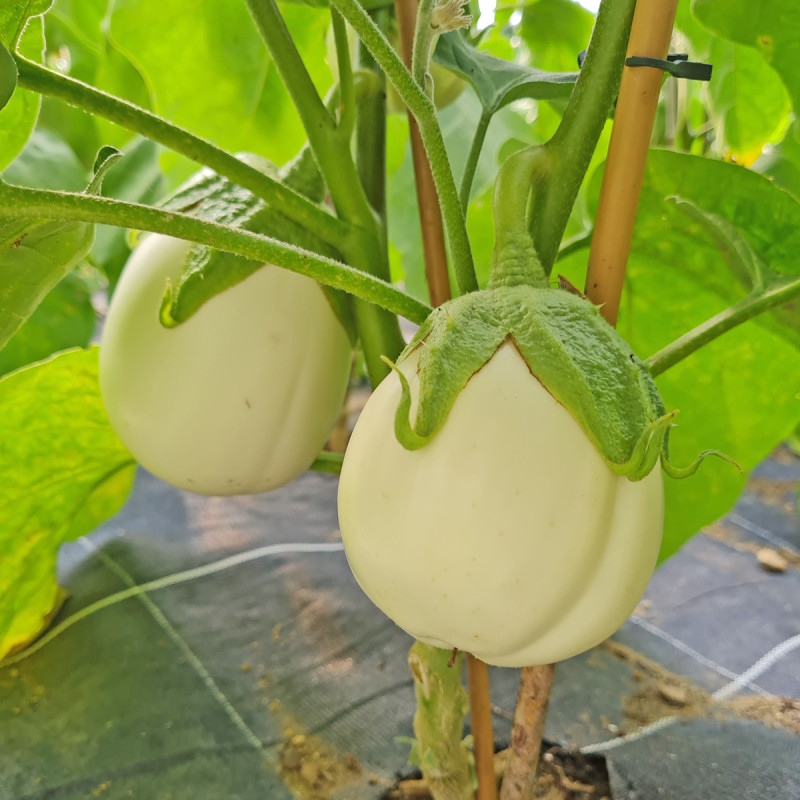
{"type": "Point", "coordinates": [422, 49]}
{"type": "Point", "coordinates": [746, 309]}
{"type": "Point", "coordinates": [371, 132]}
{"type": "Point", "coordinates": [571, 148]}
{"type": "Point", "coordinates": [347, 116]}
{"type": "Point", "coordinates": [380, 333]}
{"type": "Point", "coordinates": [20, 202]}
{"type": "Point", "coordinates": [472, 159]}
{"type": "Point", "coordinates": [527, 731]}
{"type": "Point", "coordinates": [424, 112]}
{"type": "Point", "coordinates": [131, 117]}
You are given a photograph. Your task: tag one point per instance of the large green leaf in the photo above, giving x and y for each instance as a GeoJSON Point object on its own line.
{"type": "Point", "coordinates": [771, 26]}
{"type": "Point", "coordinates": [749, 103]}
{"type": "Point", "coordinates": [34, 256]}
{"type": "Point", "coordinates": [64, 319]}
{"type": "Point", "coordinates": [209, 70]}
{"type": "Point", "coordinates": [47, 162]}
{"type": "Point", "coordinates": [18, 117]}
{"type": "Point", "coordinates": [555, 31]}
{"type": "Point", "coordinates": [75, 27]}
{"type": "Point", "coordinates": [15, 16]}
{"type": "Point", "coordinates": [62, 472]}
{"type": "Point", "coordinates": [782, 163]}
{"type": "Point", "coordinates": [739, 394]}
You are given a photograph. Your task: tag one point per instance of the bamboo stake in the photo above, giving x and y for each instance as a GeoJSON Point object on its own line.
{"type": "Point", "coordinates": [627, 154]}
{"type": "Point", "coordinates": [651, 31]}
{"type": "Point", "coordinates": [433, 244]}
{"type": "Point", "coordinates": [430, 216]}
{"type": "Point", "coordinates": [480, 711]}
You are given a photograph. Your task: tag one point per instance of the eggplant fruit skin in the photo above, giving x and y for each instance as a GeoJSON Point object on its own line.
{"type": "Point", "coordinates": [507, 535]}
{"type": "Point", "coordinates": [240, 398]}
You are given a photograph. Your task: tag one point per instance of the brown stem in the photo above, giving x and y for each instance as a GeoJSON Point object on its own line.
{"type": "Point", "coordinates": [526, 733]}
{"type": "Point", "coordinates": [627, 154]}
{"type": "Point", "coordinates": [480, 711]}
{"type": "Point", "coordinates": [430, 215]}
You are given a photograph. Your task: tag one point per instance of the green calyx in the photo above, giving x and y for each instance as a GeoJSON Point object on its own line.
{"type": "Point", "coordinates": [575, 354]}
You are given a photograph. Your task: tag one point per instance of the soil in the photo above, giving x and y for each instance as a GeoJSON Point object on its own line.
{"type": "Point", "coordinates": [662, 693]}
{"type": "Point", "coordinates": [767, 556]}
{"type": "Point", "coordinates": [311, 769]}
{"type": "Point", "coordinates": [561, 775]}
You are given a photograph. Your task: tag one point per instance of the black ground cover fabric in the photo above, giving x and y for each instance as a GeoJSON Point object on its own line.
{"type": "Point", "coordinates": [191, 689]}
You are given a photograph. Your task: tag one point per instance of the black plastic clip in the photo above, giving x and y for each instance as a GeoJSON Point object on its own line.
{"type": "Point", "coordinates": [677, 65]}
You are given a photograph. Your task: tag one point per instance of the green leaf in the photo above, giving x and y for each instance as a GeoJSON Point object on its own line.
{"type": "Point", "coordinates": [8, 76]}
{"type": "Point", "coordinates": [137, 177]}
{"type": "Point", "coordinates": [47, 162]}
{"type": "Point", "coordinates": [770, 26]}
{"type": "Point", "coordinates": [18, 118]}
{"type": "Point", "coordinates": [499, 82]}
{"type": "Point", "coordinates": [705, 231]}
{"type": "Point", "coordinates": [749, 103]}
{"type": "Point", "coordinates": [782, 162]}
{"type": "Point", "coordinates": [210, 72]}
{"type": "Point", "coordinates": [64, 319]}
{"type": "Point", "coordinates": [63, 472]}
{"type": "Point", "coordinates": [34, 256]}
{"type": "Point", "coordinates": [555, 31]}
{"type": "Point", "coordinates": [75, 27]}
{"type": "Point", "coordinates": [14, 17]}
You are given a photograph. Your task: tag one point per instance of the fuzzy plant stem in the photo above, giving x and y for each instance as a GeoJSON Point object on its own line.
{"type": "Point", "coordinates": [751, 306]}
{"type": "Point", "coordinates": [379, 332]}
{"type": "Point", "coordinates": [424, 111]}
{"type": "Point", "coordinates": [133, 118]}
{"type": "Point", "coordinates": [21, 202]}
{"type": "Point", "coordinates": [439, 722]}
{"type": "Point", "coordinates": [569, 152]}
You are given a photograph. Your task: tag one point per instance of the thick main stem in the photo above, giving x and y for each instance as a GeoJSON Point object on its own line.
{"type": "Point", "coordinates": [627, 155]}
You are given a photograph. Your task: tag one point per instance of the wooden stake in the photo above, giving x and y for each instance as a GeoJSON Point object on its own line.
{"type": "Point", "coordinates": [627, 153]}
{"type": "Point", "coordinates": [430, 215]}
{"type": "Point", "coordinates": [480, 711]}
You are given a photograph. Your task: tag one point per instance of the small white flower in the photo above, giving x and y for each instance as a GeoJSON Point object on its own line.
{"type": "Point", "coordinates": [449, 15]}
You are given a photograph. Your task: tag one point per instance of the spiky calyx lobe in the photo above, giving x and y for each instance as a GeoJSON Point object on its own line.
{"type": "Point", "coordinates": [575, 354]}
